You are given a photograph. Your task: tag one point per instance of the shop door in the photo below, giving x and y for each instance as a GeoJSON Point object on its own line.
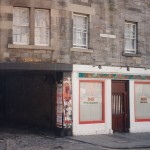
{"type": "Point", "coordinates": [120, 107]}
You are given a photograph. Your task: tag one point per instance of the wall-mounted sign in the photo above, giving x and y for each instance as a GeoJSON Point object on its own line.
{"type": "Point", "coordinates": [31, 59]}
{"type": "Point", "coordinates": [114, 76]}
{"type": "Point", "coordinates": [108, 36]}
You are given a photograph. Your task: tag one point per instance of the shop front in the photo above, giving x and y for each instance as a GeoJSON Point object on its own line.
{"type": "Point", "coordinates": [110, 99]}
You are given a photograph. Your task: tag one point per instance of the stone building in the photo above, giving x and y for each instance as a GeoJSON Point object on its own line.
{"type": "Point", "coordinates": [81, 65]}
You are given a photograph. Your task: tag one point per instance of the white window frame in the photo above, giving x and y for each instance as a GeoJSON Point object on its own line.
{"type": "Point", "coordinates": [22, 26]}
{"type": "Point", "coordinates": [131, 36]}
{"type": "Point", "coordinates": [41, 44]}
{"type": "Point", "coordinates": [75, 44]}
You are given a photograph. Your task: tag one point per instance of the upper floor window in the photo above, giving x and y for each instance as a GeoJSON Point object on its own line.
{"type": "Point", "coordinates": [42, 26]}
{"type": "Point", "coordinates": [130, 38]}
{"type": "Point", "coordinates": [23, 28]}
{"type": "Point", "coordinates": [80, 31]}
{"type": "Point", "coordinates": [20, 25]}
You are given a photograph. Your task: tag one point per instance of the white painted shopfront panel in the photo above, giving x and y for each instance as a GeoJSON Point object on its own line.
{"type": "Point", "coordinates": [89, 128]}
{"type": "Point", "coordinates": [106, 126]}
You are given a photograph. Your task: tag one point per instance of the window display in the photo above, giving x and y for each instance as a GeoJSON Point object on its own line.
{"type": "Point", "coordinates": [142, 101]}
{"type": "Point", "coordinates": [91, 102]}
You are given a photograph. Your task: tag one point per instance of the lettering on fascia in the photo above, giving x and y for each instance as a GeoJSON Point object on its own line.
{"type": "Point", "coordinates": [108, 36]}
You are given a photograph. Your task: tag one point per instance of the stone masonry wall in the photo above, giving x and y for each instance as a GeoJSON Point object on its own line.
{"type": "Point", "coordinates": [105, 17]}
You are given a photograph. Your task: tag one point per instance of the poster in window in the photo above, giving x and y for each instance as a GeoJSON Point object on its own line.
{"type": "Point", "coordinates": [142, 101]}
{"type": "Point", "coordinates": [91, 101]}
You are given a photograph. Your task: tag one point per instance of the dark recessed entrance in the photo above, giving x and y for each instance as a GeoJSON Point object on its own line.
{"type": "Point", "coordinates": [27, 98]}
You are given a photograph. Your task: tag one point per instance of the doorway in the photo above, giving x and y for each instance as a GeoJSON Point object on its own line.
{"type": "Point", "coordinates": [120, 106]}
{"type": "Point", "coordinates": [27, 99]}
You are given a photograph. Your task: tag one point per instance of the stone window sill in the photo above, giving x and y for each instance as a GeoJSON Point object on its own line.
{"type": "Point", "coordinates": [131, 55]}
{"type": "Point", "coordinates": [81, 50]}
{"type": "Point", "coordinates": [32, 47]}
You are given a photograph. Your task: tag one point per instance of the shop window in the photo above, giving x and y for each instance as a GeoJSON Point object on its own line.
{"type": "Point", "coordinates": [80, 31]}
{"type": "Point", "coordinates": [42, 26]}
{"type": "Point", "coordinates": [142, 101]}
{"type": "Point", "coordinates": [91, 103]}
{"type": "Point", "coordinates": [20, 25]}
{"type": "Point", "coordinates": [130, 37]}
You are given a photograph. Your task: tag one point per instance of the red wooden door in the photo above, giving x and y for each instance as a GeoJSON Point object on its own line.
{"type": "Point", "coordinates": [120, 115]}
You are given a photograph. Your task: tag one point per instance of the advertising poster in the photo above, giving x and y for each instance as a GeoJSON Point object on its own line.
{"type": "Point", "coordinates": [67, 100]}
{"type": "Point", "coordinates": [59, 107]}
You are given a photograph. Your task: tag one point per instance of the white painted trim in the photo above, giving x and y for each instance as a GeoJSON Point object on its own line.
{"type": "Point", "coordinates": [82, 50]}
{"type": "Point", "coordinates": [105, 128]}
{"type": "Point", "coordinates": [108, 36]}
{"type": "Point", "coordinates": [110, 70]}
{"type": "Point", "coordinates": [96, 128]}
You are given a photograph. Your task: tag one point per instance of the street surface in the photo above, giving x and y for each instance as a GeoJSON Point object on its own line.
{"type": "Point", "coordinates": [13, 139]}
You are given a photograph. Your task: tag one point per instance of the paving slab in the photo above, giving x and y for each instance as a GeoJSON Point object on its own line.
{"type": "Point", "coordinates": [117, 140]}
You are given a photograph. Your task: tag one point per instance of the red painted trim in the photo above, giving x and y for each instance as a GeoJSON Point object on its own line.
{"type": "Point", "coordinates": [90, 122]}
{"type": "Point", "coordinates": [103, 102]}
{"type": "Point", "coordinates": [144, 119]}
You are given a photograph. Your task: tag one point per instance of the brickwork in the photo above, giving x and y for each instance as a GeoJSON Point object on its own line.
{"type": "Point", "coordinates": [105, 17]}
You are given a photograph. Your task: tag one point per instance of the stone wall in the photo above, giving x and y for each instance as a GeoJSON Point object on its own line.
{"type": "Point", "coordinates": [105, 17]}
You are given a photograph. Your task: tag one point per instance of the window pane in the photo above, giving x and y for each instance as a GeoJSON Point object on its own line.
{"type": "Point", "coordinates": [42, 27]}
{"type": "Point", "coordinates": [42, 18]}
{"type": "Point", "coordinates": [37, 19]}
{"type": "Point", "coordinates": [20, 25]}
{"type": "Point", "coordinates": [37, 31]}
{"type": "Point", "coordinates": [19, 38]}
{"type": "Point", "coordinates": [90, 101]}
{"type": "Point", "coordinates": [142, 101]}
{"type": "Point", "coordinates": [130, 37]}
{"type": "Point", "coordinates": [80, 31]}
{"type": "Point", "coordinates": [133, 44]}
{"type": "Point", "coordinates": [15, 38]}
{"type": "Point", "coordinates": [37, 40]}
{"type": "Point", "coordinates": [25, 34]}
{"type": "Point", "coordinates": [127, 44]}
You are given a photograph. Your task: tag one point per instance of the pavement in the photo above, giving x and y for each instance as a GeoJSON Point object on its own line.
{"type": "Point", "coordinates": [117, 140]}
{"type": "Point", "coordinates": [16, 139]}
